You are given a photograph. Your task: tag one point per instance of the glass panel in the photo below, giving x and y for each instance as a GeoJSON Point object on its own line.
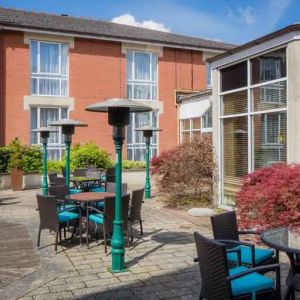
{"type": "Point", "coordinates": [269, 139]}
{"type": "Point", "coordinates": [64, 113]}
{"type": "Point", "coordinates": [139, 154]}
{"type": "Point", "coordinates": [64, 59]}
{"type": "Point", "coordinates": [141, 66]}
{"type": "Point", "coordinates": [270, 96]}
{"type": "Point", "coordinates": [235, 103]}
{"type": "Point", "coordinates": [47, 116]}
{"type": "Point", "coordinates": [154, 124]}
{"type": "Point", "coordinates": [185, 124]}
{"type": "Point", "coordinates": [207, 119]}
{"type": "Point", "coordinates": [129, 65]}
{"type": "Point", "coordinates": [53, 154]}
{"type": "Point", "coordinates": [208, 73]}
{"type": "Point", "coordinates": [142, 91]}
{"type": "Point", "coordinates": [154, 67]}
{"type": "Point", "coordinates": [49, 58]}
{"type": "Point", "coordinates": [154, 92]}
{"type": "Point", "coordinates": [234, 77]}
{"type": "Point", "coordinates": [141, 119]}
{"type": "Point", "coordinates": [196, 123]}
{"type": "Point", "coordinates": [33, 125]}
{"type": "Point", "coordinates": [268, 66]}
{"type": "Point", "coordinates": [34, 85]}
{"type": "Point", "coordinates": [129, 153]}
{"type": "Point", "coordinates": [185, 136]}
{"type": "Point", "coordinates": [64, 88]}
{"type": "Point", "coordinates": [49, 86]}
{"type": "Point", "coordinates": [33, 56]}
{"type": "Point", "coordinates": [235, 156]}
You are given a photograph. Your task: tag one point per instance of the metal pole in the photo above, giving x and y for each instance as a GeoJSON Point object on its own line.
{"type": "Point", "coordinates": [68, 146]}
{"type": "Point", "coordinates": [147, 183]}
{"type": "Point", "coordinates": [117, 242]}
{"type": "Point", "coordinates": [45, 179]}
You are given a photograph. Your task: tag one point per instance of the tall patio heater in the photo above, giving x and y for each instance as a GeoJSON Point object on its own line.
{"type": "Point", "coordinates": [44, 134]}
{"type": "Point", "coordinates": [148, 134]}
{"type": "Point", "coordinates": [68, 129]}
{"type": "Point", "coordinates": [118, 110]}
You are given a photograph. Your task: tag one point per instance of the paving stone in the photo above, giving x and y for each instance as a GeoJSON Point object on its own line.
{"type": "Point", "coordinates": [67, 287]}
{"type": "Point", "coordinates": [104, 281]}
{"type": "Point", "coordinates": [54, 296]}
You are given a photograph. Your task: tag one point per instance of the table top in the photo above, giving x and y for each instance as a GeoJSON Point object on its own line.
{"type": "Point", "coordinates": [90, 196]}
{"type": "Point", "coordinates": [82, 178]}
{"type": "Point", "coordinates": [284, 239]}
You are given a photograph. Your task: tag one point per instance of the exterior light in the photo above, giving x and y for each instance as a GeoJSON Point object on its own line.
{"type": "Point", "coordinates": [68, 129]}
{"type": "Point", "coordinates": [147, 133]}
{"type": "Point", "coordinates": [118, 110]}
{"type": "Point", "coordinates": [44, 134]}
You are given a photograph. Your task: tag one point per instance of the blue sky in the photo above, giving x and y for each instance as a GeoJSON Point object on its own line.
{"type": "Point", "coordinates": [234, 21]}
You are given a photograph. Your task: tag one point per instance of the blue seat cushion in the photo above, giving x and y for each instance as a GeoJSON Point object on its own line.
{"type": "Point", "coordinates": [250, 283]}
{"type": "Point", "coordinates": [261, 255]}
{"type": "Point", "coordinates": [98, 189]}
{"type": "Point", "coordinates": [68, 206]}
{"type": "Point", "coordinates": [67, 216]}
{"type": "Point", "coordinates": [100, 205]}
{"type": "Point", "coordinates": [103, 177]}
{"type": "Point", "coordinates": [97, 218]}
{"type": "Point", "coordinates": [74, 191]}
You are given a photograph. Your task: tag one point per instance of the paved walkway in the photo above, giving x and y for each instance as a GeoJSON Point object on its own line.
{"type": "Point", "coordinates": [160, 265]}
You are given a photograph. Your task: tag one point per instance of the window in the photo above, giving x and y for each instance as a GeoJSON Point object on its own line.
{"type": "Point", "coordinates": [208, 74]}
{"type": "Point", "coordinates": [189, 129]}
{"type": "Point", "coordinates": [49, 68]}
{"type": "Point", "coordinates": [141, 74]}
{"type": "Point", "coordinates": [253, 119]}
{"type": "Point", "coordinates": [42, 116]}
{"type": "Point", "coordinates": [207, 121]}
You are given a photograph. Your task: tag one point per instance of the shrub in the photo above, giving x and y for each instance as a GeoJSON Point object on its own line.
{"type": "Point", "coordinates": [4, 159]}
{"type": "Point", "coordinates": [89, 154]}
{"type": "Point", "coordinates": [270, 197]}
{"type": "Point", "coordinates": [15, 159]}
{"type": "Point", "coordinates": [32, 159]}
{"type": "Point", "coordinates": [54, 166]}
{"type": "Point", "coordinates": [131, 164]}
{"type": "Point", "coordinates": [186, 173]}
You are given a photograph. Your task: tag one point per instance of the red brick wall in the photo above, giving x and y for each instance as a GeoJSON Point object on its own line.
{"type": "Point", "coordinates": [97, 71]}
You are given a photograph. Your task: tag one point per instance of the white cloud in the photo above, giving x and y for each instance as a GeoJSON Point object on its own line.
{"type": "Point", "coordinates": [247, 15]}
{"type": "Point", "coordinates": [128, 19]}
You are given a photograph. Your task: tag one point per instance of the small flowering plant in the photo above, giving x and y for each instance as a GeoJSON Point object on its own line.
{"type": "Point", "coordinates": [270, 197]}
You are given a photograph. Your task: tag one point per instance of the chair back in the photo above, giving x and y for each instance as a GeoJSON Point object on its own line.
{"type": "Point", "coordinates": [111, 188]}
{"type": "Point", "coordinates": [52, 177]}
{"type": "Point", "coordinates": [110, 175]}
{"type": "Point", "coordinates": [136, 205]}
{"type": "Point", "coordinates": [80, 172]}
{"type": "Point", "coordinates": [225, 226]}
{"type": "Point", "coordinates": [213, 269]}
{"type": "Point", "coordinates": [59, 191]}
{"type": "Point", "coordinates": [47, 211]}
{"type": "Point", "coordinates": [109, 212]}
{"type": "Point", "coordinates": [63, 171]}
{"type": "Point", "coordinates": [93, 174]}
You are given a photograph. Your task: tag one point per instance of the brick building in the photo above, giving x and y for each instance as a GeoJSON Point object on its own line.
{"type": "Point", "coordinates": [53, 66]}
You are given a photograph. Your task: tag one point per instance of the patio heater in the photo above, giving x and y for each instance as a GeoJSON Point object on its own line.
{"type": "Point", "coordinates": [118, 116]}
{"type": "Point", "coordinates": [68, 129]}
{"type": "Point", "coordinates": [148, 134]}
{"type": "Point", "coordinates": [44, 134]}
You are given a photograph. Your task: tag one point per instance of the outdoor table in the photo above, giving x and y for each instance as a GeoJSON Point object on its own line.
{"type": "Point", "coordinates": [83, 182]}
{"type": "Point", "coordinates": [288, 241]}
{"type": "Point", "coordinates": [87, 198]}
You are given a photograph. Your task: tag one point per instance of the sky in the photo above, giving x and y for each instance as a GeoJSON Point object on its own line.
{"type": "Point", "coordinates": [232, 21]}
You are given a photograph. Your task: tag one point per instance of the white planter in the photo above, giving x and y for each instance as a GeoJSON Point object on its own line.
{"type": "Point", "coordinates": [5, 182]}
{"type": "Point", "coordinates": [32, 181]}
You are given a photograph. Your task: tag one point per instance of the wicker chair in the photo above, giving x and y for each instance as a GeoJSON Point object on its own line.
{"type": "Point", "coordinates": [51, 218]}
{"type": "Point", "coordinates": [225, 229]}
{"type": "Point", "coordinates": [80, 172]}
{"type": "Point", "coordinates": [135, 210]}
{"type": "Point", "coordinates": [60, 192]}
{"type": "Point", "coordinates": [55, 180]}
{"type": "Point", "coordinates": [110, 175]}
{"type": "Point", "coordinates": [105, 219]}
{"type": "Point", "coordinates": [220, 283]}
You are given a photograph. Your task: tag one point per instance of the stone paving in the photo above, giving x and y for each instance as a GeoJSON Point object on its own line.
{"type": "Point", "coordinates": [160, 265]}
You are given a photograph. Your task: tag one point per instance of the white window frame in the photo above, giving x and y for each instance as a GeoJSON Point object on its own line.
{"type": "Point", "coordinates": [54, 146]}
{"type": "Point", "coordinates": [191, 130]}
{"type": "Point", "coordinates": [43, 75]}
{"type": "Point", "coordinates": [203, 128]}
{"type": "Point", "coordinates": [249, 114]}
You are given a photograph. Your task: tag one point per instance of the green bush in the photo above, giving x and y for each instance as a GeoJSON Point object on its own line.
{"type": "Point", "coordinates": [55, 166]}
{"type": "Point", "coordinates": [131, 164]}
{"type": "Point", "coordinates": [32, 159]}
{"type": "Point", "coordinates": [4, 159]}
{"type": "Point", "coordinates": [89, 154]}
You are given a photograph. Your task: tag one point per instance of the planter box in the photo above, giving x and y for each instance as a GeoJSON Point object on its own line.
{"type": "Point", "coordinates": [5, 182]}
{"type": "Point", "coordinates": [134, 177]}
{"type": "Point", "coordinates": [30, 181]}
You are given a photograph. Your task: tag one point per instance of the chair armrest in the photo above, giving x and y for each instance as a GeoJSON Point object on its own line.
{"type": "Point", "coordinates": [248, 232]}
{"type": "Point", "coordinates": [71, 208]}
{"type": "Point", "coordinates": [239, 254]}
{"type": "Point", "coordinates": [273, 267]}
{"type": "Point", "coordinates": [95, 209]}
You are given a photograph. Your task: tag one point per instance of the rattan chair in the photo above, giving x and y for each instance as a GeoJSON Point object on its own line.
{"type": "Point", "coordinates": [110, 175]}
{"type": "Point", "coordinates": [225, 229]}
{"type": "Point", "coordinates": [60, 192]}
{"type": "Point", "coordinates": [105, 219]}
{"type": "Point", "coordinates": [220, 283]}
{"type": "Point", "coordinates": [80, 172]}
{"type": "Point", "coordinates": [53, 219]}
{"type": "Point", "coordinates": [55, 180]}
{"type": "Point", "coordinates": [135, 210]}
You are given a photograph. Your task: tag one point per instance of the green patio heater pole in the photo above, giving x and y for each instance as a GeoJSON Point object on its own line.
{"type": "Point", "coordinates": [148, 134]}
{"type": "Point", "coordinates": [118, 116]}
{"type": "Point", "coordinates": [68, 129]}
{"type": "Point", "coordinates": [44, 135]}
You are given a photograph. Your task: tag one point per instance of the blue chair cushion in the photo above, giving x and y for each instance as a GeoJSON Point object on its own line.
{"type": "Point", "coordinates": [100, 205]}
{"type": "Point", "coordinates": [67, 216]}
{"type": "Point", "coordinates": [250, 283]}
{"type": "Point", "coordinates": [63, 207]}
{"type": "Point", "coordinates": [103, 177]}
{"type": "Point", "coordinates": [98, 190]}
{"type": "Point", "coordinates": [261, 255]}
{"type": "Point", "coordinates": [74, 191]}
{"type": "Point", "coordinates": [97, 218]}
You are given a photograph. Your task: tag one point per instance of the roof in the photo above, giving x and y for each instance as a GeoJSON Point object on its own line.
{"type": "Point", "coordinates": [263, 39]}
{"type": "Point", "coordinates": [193, 95]}
{"type": "Point", "coordinates": [11, 18]}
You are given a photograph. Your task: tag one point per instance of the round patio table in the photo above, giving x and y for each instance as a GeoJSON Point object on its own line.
{"type": "Point", "coordinates": [85, 199]}
{"type": "Point", "coordinates": [288, 241]}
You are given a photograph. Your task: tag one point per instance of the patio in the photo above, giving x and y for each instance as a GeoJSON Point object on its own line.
{"type": "Point", "coordinates": [160, 266]}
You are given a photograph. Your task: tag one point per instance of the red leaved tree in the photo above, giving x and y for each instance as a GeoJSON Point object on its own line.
{"type": "Point", "coordinates": [270, 197]}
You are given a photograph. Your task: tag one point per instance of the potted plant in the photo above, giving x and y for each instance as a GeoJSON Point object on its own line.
{"type": "Point", "coordinates": [16, 165]}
